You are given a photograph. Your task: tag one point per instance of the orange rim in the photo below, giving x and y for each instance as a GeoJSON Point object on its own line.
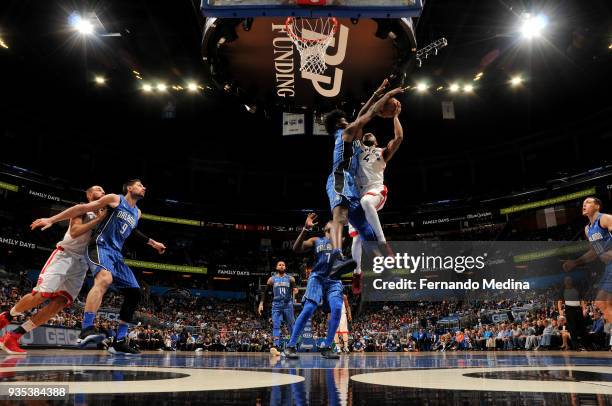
{"type": "Point", "coordinates": [298, 38]}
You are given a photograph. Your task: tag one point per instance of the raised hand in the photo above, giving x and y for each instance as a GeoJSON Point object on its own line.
{"type": "Point", "coordinates": [382, 87]}
{"type": "Point", "coordinates": [42, 222]}
{"type": "Point", "coordinates": [311, 221]}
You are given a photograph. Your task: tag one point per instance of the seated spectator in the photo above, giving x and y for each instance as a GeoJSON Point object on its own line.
{"type": "Point", "coordinates": [459, 341]}
{"type": "Point", "coordinates": [359, 345]}
{"type": "Point", "coordinates": [566, 337]}
{"type": "Point", "coordinates": [596, 336]}
{"type": "Point", "coordinates": [392, 345]}
{"type": "Point", "coordinates": [517, 341]}
{"type": "Point", "coordinates": [546, 340]}
{"type": "Point", "coordinates": [531, 340]}
{"type": "Point", "coordinates": [489, 336]}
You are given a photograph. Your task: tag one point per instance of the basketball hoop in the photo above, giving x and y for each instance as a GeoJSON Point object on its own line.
{"type": "Point", "coordinates": [312, 37]}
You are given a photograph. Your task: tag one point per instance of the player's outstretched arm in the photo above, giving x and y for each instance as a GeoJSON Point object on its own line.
{"type": "Point", "coordinates": [375, 96]}
{"type": "Point", "coordinates": [354, 128]}
{"type": "Point", "coordinates": [301, 245]}
{"type": "Point", "coordinates": [263, 296]}
{"type": "Point", "coordinates": [111, 200]}
{"type": "Point", "coordinates": [293, 285]}
{"type": "Point", "coordinates": [398, 131]}
{"type": "Point", "coordinates": [140, 236]}
{"type": "Point", "coordinates": [157, 246]}
{"type": "Point", "coordinates": [78, 228]}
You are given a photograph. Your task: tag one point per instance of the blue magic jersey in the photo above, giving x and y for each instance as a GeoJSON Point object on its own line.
{"type": "Point", "coordinates": [600, 238]}
{"type": "Point", "coordinates": [322, 252]}
{"type": "Point", "coordinates": [345, 154]}
{"type": "Point", "coordinates": [282, 291]}
{"type": "Point", "coordinates": [118, 226]}
{"type": "Point", "coordinates": [345, 163]}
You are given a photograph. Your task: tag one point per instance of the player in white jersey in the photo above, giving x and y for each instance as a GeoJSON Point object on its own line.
{"type": "Point", "coordinates": [59, 281]}
{"type": "Point", "coordinates": [371, 180]}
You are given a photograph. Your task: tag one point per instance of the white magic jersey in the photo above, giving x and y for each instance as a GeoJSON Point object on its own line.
{"type": "Point", "coordinates": [370, 173]}
{"type": "Point", "coordinates": [77, 246]}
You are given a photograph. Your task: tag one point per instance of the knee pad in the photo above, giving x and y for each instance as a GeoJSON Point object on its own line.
{"type": "Point", "coordinates": [131, 298]}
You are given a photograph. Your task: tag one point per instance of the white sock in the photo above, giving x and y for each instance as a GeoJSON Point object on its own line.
{"type": "Point", "coordinates": [28, 326]}
{"type": "Point", "coordinates": [14, 312]}
{"type": "Point", "coordinates": [369, 202]}
{"type": "Point", "coordinates": [356, 253]}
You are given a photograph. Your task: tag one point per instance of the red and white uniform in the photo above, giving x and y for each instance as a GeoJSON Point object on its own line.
{"type": "Point", "coordinates": [371, 177]}
{"type": "Point", "coordinates": [65, 270]}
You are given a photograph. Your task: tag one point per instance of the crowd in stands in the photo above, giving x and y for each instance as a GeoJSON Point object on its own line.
{"type": "Point", "coordinates": [204, 324]}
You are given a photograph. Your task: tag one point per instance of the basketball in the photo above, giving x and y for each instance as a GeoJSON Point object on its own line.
{"type": "Point", "coordinates": [388, 110]}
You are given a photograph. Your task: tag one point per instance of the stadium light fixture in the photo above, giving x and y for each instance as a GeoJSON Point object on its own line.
{"type": "Point", "coordinates": [468, 88]}
{"type": "Point", "coordinates": [147, 88]}
{"type": "Point", "coordinates": [83, 25]}
{"type": "Point", "coordinates": [100, 80]}
{"type": "Point", "coordinates": [516, 81]}
{"type": "Point", "coordinates": [192, 87]}
{"type": "Point", "coordinates": [161, 87]}
{"type": "Point", "coordinates": [421, 87]}
{"type": "Point", "coordinates": [454, 88]}
{"type": "Point", "coordinates": [3, 44]}
{"type": "Point", "coordinates": [533, 25]}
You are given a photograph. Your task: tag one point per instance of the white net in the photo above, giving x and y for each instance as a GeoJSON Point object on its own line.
{"type": "Point", "coordinates": [312, 37]}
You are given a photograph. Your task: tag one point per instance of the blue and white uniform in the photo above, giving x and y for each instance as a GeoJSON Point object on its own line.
{"type": "Point", "coordinates": [601, 242]}
{"type": "Point", "coordinates": [342, 184]}
{"type": "Point", "coordinates": [320, 287]}
{"type": "Point", "coordinates": [282, 303]}
{"type": "Point", "coordinates": [105, 248]}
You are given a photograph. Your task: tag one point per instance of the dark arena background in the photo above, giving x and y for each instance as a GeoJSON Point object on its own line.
{"type": "Point", "coordinates": [211, 117]}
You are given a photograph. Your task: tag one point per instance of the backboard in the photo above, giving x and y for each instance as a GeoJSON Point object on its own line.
{"type": "Point", "coordinates": [312, 8]}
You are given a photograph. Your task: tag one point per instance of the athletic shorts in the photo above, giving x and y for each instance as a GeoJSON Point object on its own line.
{"type": "Point", "coordinates": [381, 195]}
{"type": "Point", "coordinates": [341, 190]}
{"type": "Point", "coordinates": [62, 275]}
{"type": "Point", "coordinates": [283, 313]}
{"type": "Point", "coordinates": [320, 289]}
{"type": "Point", "coordinates": [102, 257]}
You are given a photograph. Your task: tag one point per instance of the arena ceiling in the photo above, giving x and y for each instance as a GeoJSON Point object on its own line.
{"type": "Point", "coordinates": [48, 87]}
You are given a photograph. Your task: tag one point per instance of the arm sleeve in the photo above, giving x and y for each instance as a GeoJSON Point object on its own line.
{"type": "Point", "coordinates": [139, 236]}
{"type": "Point", "coordinates": [264, 293]}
